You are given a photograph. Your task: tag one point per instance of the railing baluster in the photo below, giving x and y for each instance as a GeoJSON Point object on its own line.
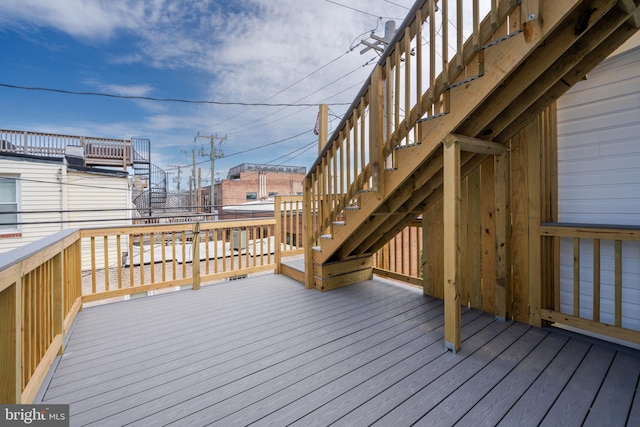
{"type": "Point", "coordinates": [576, 276]}
{"type": "Point", "coordinates": [131, 261]}
{"type": "Point", "coordinates": [152, 257]}
{"type": "Point", "coordinates": [596, 280]}
{"type": "Point", "coordinates": [119, 260]}
{"type": "Point", "coordinates": [618, 283]}
{"type": "Point", "coordinates": [105, 248]}
{"type": "Point", "coordinates": [93, 265]}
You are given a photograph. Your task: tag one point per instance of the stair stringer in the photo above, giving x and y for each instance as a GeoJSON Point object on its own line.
{"type": "Point", "coordinates": [464, 100]}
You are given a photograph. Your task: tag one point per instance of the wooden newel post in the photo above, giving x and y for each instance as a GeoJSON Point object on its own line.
{"type": "Point", "coordinates": [451, 245]}
{"type": "Point", "coordinates": [11, 341]}
{"type": "Point", "coordinates": [277, 214]}
{"type": "Point", "coordinates": [322, 127]}
{"type": "Point", "coordinates": [195, 256]}
{"type": "Point", "coordinates": [309, 209]}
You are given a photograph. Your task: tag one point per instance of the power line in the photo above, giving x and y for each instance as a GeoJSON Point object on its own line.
{"type": "Point", "coordinates": [287, 87]}
{"type": "Point", "coordinates": [149, 98]}
{"type": "Point", "coordinates": [362, 11]}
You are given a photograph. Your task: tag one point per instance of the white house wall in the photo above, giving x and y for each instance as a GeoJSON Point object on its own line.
{"type": "Point", "coordinates": [599, 180]}
{"type": "Point", "coordinates": [38, 190]}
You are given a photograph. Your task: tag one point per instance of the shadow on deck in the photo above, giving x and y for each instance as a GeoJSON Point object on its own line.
{"type": "Point", "coordinates": [265, 350]}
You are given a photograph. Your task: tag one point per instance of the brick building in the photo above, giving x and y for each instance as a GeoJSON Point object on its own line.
{"type": "Point", "coordinates": [250, 182]}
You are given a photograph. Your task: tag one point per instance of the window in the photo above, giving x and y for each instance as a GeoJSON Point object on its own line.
{"type": "Point", "coordinates": [273, 193]}
{"type": "Point", "coordinates": [8, 203]}
{"type": "Point", "coordinates": [252, 195]}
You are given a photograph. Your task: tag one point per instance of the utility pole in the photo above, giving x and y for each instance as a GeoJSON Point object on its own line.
{"type": "Point", "coordinates": [194, 177]}
{"type": "Point", "coordinates": [179, 178]}
{"type": "Point", "coordinates": [213, 154]}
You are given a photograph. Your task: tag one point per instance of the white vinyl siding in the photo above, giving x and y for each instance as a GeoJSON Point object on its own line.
{"type": "Point", "coordinates": [599, 180]}
{"type": "Point", "coordinates": [40, 190]}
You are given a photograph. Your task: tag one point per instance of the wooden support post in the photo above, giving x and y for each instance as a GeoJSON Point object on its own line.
{"type": "Point", "coordinates": [451, 246]}
{"type": "Point", "coordinates": [195, 257]}
{"type": "Point", "coordinates": [323, 126]}
{"type": "Point", "coordinates": [376, 130]}
{"type": "Point", "coordinates": [535, 240]}
{"type": "Point", "coordinates": [503, 294]}
{"type": "Point", "coordinates": [310, 208]}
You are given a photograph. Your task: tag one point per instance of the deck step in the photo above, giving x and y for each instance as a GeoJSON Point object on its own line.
{"type": "Point", "coordinates": [326, 236]}
{"type": "Point", "coordinates": [341, 223]}
{"type": "Point", "coordinates": [351, 208]}
{"type": "Point", "coordinates": [390, 169]}
{"type": "Point", "coordinates": [366, 190]}
{"type": "Point", "coordinates": [316, 248]}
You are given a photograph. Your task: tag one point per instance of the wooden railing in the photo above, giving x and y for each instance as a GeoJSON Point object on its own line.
{"type": "Point", "coordinates": [40, 294]}
{"type": "Point", "coordinates": [55, 145]}
{"type": "Point", "coordinates": [43, 285]}
{"type": "Point", "coordinates": [402, 257]}
{"type": "Point", "coordinates": [409, 85]}
{"type": "Point", "coordinates": [587, 284]}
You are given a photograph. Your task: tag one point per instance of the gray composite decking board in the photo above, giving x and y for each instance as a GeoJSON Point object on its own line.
{"type": "Point", "coordinates": [176, 404]}
{"type": "Point", "coordinates": [421, 376]}
{"type": "Point", "coordinates": [241, 365]}
{"type": "Point", "coordinates": [252, 306]}
{"type": "Point", "coordinates": [615, 397]}
{"type": "Point", "coordinates": [577, 397]}
{"type": "Point", "coordinates": [324, 368]}
{"type": "Point", "coordinates": [178, 374]}
{"type": "Point", "coordinates": [280, 353]}
{"type": "Point", "coordinates": [430, 395]}
{"type": "Point", "coordinates": [533, 405]}
{"type": "Point", "coordinates": [311, 399]}
{"type": "Point", "coordinates": [495, 404]}
{"type": "Point", "coordinates": [234, 339]}
{"type": "Point", "coordinates": [235, 336]}
{"type": "Point", "coordinates": [350, 394]}
{"type": "Point", "coordinates": [90, 333]}
{"type": "Point", "coordinates": [458, 403]}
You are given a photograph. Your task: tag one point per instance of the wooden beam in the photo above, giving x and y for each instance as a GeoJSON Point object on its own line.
{"type": "Point", "coordinates": [476, 145]}
{"type": "Point", "coordinates": [451, 246]}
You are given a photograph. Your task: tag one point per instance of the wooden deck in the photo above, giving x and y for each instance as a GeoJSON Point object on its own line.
{"type": "Point", "coordinates": [264, 350]}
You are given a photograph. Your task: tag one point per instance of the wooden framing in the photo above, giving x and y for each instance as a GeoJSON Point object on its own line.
{"type": "Point", "coordinates": [451, 245]}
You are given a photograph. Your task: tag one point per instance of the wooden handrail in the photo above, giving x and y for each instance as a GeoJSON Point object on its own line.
{"type": "Point", "coordinates": [596, 233]}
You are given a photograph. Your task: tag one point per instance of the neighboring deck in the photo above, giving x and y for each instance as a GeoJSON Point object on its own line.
{"type": "Point", "coordinates": [266, 350]}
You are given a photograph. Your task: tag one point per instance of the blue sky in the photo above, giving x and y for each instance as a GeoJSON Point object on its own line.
{"type": "Point", "coordinates": [229, 51]}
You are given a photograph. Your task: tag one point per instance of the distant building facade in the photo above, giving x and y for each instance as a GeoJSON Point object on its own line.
{"type": "Point", "coordinates": [250, 182]}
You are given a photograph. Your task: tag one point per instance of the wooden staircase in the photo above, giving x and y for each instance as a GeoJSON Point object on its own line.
{"type": "Point", "coordinates": [420, 111]}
